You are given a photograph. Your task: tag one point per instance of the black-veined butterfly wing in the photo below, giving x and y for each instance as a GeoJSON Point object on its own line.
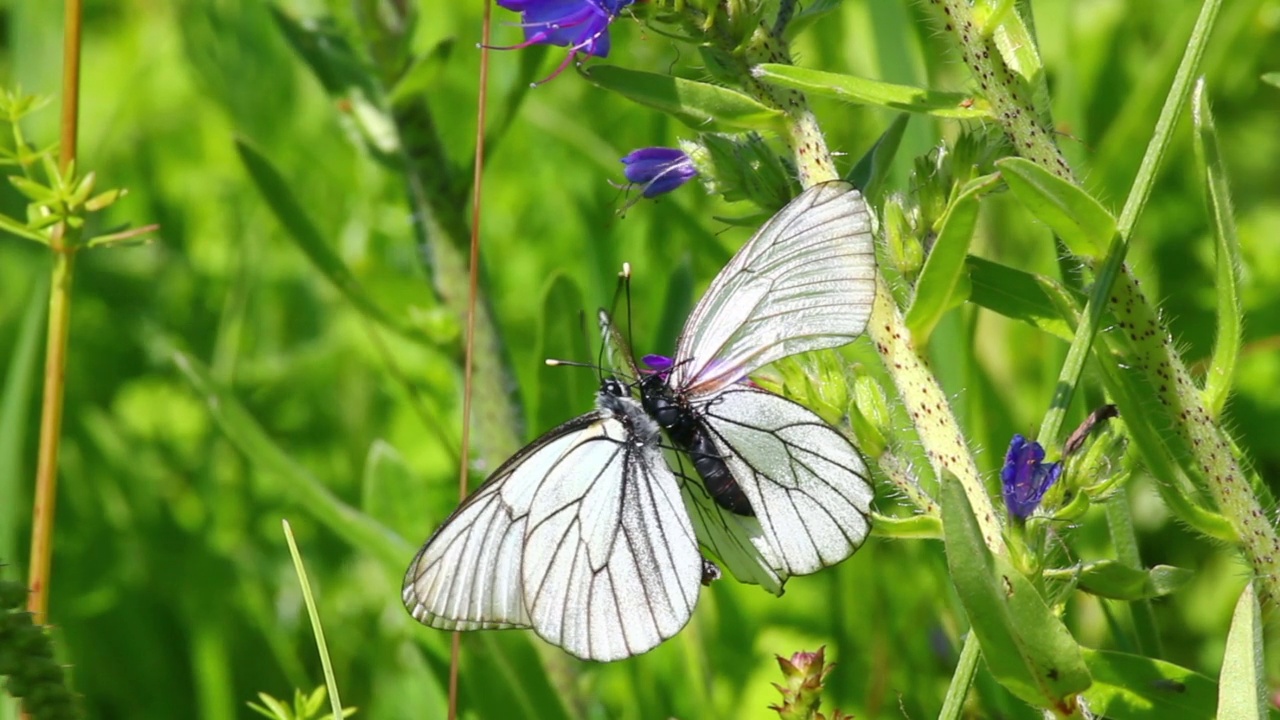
{"type": "Point", "coordinates": [805, 281]}
{"type": "Point", "coordinates": [806, 483]}
{"type": "Point", "coordinates": [737, 541]}
{"type": "Point", "coordinates": [581, 536]}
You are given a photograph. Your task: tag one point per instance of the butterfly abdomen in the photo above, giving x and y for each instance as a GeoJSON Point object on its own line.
{"type": "Point", "coordinates": [715, 474]}
{"type": "Point", "coordinates": [688, 435]}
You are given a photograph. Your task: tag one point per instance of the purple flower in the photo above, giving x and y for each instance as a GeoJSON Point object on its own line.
{"type": "Point", "coordinates": [657, 169]}
{"type": "Point", "coordinates": [1026, 477]}
{"type": "Point", "coordinates": [580, 25]}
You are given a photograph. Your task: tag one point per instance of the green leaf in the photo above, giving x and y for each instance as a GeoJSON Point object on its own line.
{"type": "Point", "coordinates": [33, 190]}
{"type": "Point", "coordinates": [873, 92]}
{"type": "Point", "coordinates": [1272, 78]}
{"type": "Point", "coordinates": [247, 435]}
{"type": "Point", "coordinates": [317, 631]}
{"type": "Point", "coordinates": [299, 227]}
{"type": "Point", "coordinates": [944, 267]}
{"type": "Point", "coordinates": [1242, 685]}
{"type": "Point", "coordinates": [391, 493]}
{"type": "Point", "coordinates": [1132, 687]}
{"type": "Point", "coordinates": [1072, 214]}
{"type": "Point", "coordinates": [869, 174]}
{"type": "Point", "coordinates": [272, 708]}
{"type": "Point", "coordinates": [915, 527]}
{"type": "Point", "coordinates": [1226, 344]}
{"type": "Point", "coordinates": [562, 391]}
{"type": "Point", "coordinates": [1026, 647]}
{"type": "Point", "coordinates": [696, 104]}
{"type": "Point", "coordinates": [14, 227]}
{"type": "Point", "coordinates": [1115, 580]}
{"type": "Point", "coordinates": [1017, 295]}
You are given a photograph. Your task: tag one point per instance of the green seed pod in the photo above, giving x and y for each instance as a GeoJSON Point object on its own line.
{"type": "Point", "coordinates": [905, 251]}
{"type": "Point", "coordinates": [869, 416]}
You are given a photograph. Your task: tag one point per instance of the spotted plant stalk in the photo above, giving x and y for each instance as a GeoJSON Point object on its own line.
{"type": "Point", "coordinates": [927, 404]}
{"type": "Point", "coordinates": [1147, 342]}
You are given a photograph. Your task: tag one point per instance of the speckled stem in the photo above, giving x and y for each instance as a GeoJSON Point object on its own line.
{"type": "Point", "coordinates": [930, 412]}
{"type": "Point", "coordinates": [1002, 88]}
{"type": "Point", "coordinates": [917, 387]}
{"type": "Point", "coordinates": [1228, 485]}
{"type": "Point", "coordinates": [800, 128]}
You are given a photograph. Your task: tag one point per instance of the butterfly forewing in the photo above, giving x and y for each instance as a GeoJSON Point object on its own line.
{"type": "Point", "coordinates": [613, 567]}
{"type": "Point", "coordinates": [467, 575]}
{"type": "Point", "coordinates": [805, 281]}
{"type": "Point", "coordinates": [806, 482]}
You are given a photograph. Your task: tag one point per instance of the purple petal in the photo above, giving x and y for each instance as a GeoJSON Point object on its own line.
{"type": "Point", "coordinates": [658, 363]}
{"type": "Point", "coordinates": [1025, 477]}
{"type": "Point", "coordinates": [658, 169]}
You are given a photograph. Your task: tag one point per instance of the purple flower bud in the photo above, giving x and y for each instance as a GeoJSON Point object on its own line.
{"type": "Point", "coordinates": [1026, 477]}
{"type": "Point", "coordinates": [580, 25]}
{"type": "Point", "coordinates": [658, 363]}
{"type": "Point", "coordinates": [658, 169]}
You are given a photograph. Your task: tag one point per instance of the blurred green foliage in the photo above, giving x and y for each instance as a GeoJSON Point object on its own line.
{"type": "Point", "coordinates": [173, 593]}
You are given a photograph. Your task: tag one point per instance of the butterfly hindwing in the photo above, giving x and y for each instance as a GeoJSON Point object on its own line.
{"type": "Point", "coordinates": [806, 483]}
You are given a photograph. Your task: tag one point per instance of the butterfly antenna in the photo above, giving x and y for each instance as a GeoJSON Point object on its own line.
{"type": "Point", "coordinates": [626, 288]}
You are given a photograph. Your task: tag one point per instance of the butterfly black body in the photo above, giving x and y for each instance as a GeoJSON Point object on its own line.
{"type": "Point", "coordinates": [688, 434]}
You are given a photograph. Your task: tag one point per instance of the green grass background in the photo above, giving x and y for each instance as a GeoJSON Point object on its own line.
{"type": "Point", "coordinates": [173, 594]}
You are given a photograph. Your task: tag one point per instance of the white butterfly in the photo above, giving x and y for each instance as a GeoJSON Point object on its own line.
{"type": "Point", "coordinates": [585, 535]}
{"type": "Point", "coordinates": [786, 494]}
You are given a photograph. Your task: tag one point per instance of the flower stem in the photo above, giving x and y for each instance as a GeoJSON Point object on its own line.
{"type": "Point", "coordinates": [64, 250]}
{"type": "Point", "coordinates": [961, 679]}
{"type": "Point", "coordinates": [1009, 100]}
{"type": "Point", "coordinates": [919, 390]}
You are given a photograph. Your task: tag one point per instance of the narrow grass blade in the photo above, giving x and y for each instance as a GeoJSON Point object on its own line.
{"type": "Point", "coordinates": [1242, 685]}
{"type": "Point", "coordinates": [1226, 344]}
{"type": "Point", "coordinates": [329, 680]}
{"type": "Point", "coordinates": [863, 91]}
{"type": "Point", "coordinates": [961, 679]}
{"type": "Point", "coordinates": [15, 414]}
{"type": "Point", "coordinates": [562, 390]}
{"type": "Point", "coordinates": [390, 493]}
{"type": "Point", "coordinates": [248, 436]}
{"type": "Point", "coordinates": [304, 233]}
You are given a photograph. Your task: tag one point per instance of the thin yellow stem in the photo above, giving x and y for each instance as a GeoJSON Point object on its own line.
{"type": "Point", "coordinates": [473, 290]}
{"type": "Point", "coordinates": [64, 250]}
{"type": "Point", "coordinates": [45, 499]}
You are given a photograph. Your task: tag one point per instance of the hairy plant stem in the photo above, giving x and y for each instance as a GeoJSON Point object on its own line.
{"type": "Point", "coordinates": [1017, 115]}
{"type": "Point", "coordinates": [1150, 343]}
{"type": "Point", "coordinates": [918, 389]}
{"type": "Point", "coordinates": [63, 242]}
